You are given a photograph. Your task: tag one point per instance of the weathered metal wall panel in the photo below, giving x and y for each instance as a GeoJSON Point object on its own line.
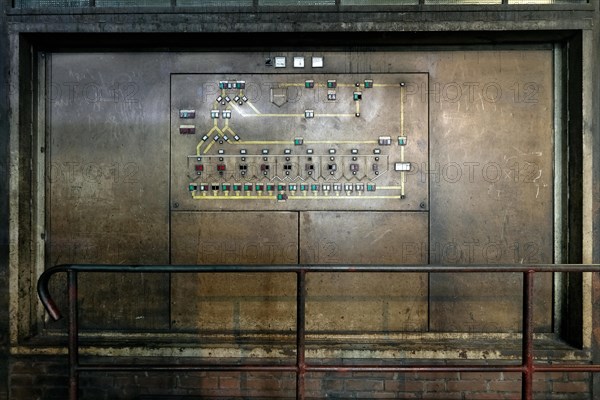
{"type": "Point", "coordinates": [238, 302]}
{"type": "Point", "coordinates": [107, 179]}
{"type": "Point", "coordinates": [365, 302]}
{"type": "Point", "coordinates": [491, 179]}
{"type": "Point", "coordinates": [483, 126]}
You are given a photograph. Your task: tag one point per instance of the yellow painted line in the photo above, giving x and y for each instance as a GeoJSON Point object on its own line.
{"type": "Point", "coordinates": [402, 177]}
{"type": "Point", "coordinates": [252, 107]}
{"type": "Point", "coordinates": [386, 85]}
{"type": "Point", "coordinates": [274, 115]}
{"type": "Point", "coordinates": [209, 146]}
{"type": "Point", "coordinates": [389, 187]}
{"type": "Point", "coordinates": [340, 142]}
{"type": "Point", "coordinates": [342, 197]}
{"type": "Point", "coordinates": [290, 84]}
{"type": "Point", "coordinates": [234, 198]}
{"type": "Point", "coordinates": [263, 142]}
{"type": "Point", "coordinates": [401, 111]}
{"type": "Point", "coordinates": [358, 107]}
{"type": "Point", "coordinates": [333, 115]}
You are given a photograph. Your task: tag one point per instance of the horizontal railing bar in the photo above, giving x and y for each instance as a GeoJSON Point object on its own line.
{"type": "Point", "coordinates": [567, 368]}
{"type": "Point", "coordinates": [293, 368]}
{"type": "Point", "coordinates": [329, 268]}
{"type": "Point", "coordinates": [54, 312]}
{"type": "Point", "coordinates": [185, 367]}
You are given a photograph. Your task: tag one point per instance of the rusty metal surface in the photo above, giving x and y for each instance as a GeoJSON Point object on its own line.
{"type": "Point", "coordinates": [238, 301]}
{"type": "Point", "coordinates": [107, 180]}
{"type": "Point", "coordinates": [365, 302]}
{"type": "Point", "coordinates": [491, 183]}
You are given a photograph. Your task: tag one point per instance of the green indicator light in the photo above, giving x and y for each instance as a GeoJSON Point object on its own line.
{"type": "Point", "coordinates": [298, 141]}
{"type": "Point", "coordinates": [371, 188]}
{"type": "Point", "coordinates": [314, 188]}
{"type": "Point", "coordinates": [248, 188]}
{"type": "Point", "coordinates": [303, 187]}
{"type": "Point", "coordinates": [236, 188]}
{"type": "Point", "coordinates": [270, 188]}
{"type": "Point", "coordinates": [368, 83]}
{"type": "Point", "coordinates": [193, 187]}
{"type": "Point", "coordinates": [402, 140]}
{"type": "Point", "coordinates": [280, 197]}
{"type": "Point", "coordinates": [259, 188]}
{"type": "Point", "coordinates": [281, 187]}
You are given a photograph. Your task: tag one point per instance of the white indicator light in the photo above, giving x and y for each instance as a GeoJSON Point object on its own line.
{"type": "Point", "coordinates": [402, 166]}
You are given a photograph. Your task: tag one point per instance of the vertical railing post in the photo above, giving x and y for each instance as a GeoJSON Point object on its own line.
{"type": "Point", "coordinates": [300, 334]}
{"type": "Point", "coordinates": [73, 336]}
{"type": "Point", "coordinates": [527, 346]}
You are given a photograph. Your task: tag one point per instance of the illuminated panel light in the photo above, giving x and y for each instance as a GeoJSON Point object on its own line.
{"type": "Point", "coordinates": [402, 166]}
{"type": "Point", "coordinates": [385, 140]}
{"type": "Point", "coordinates": [187, 114]}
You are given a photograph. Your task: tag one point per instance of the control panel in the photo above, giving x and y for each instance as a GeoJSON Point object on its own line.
{"type": "Point", "coordinates": [290, 141]}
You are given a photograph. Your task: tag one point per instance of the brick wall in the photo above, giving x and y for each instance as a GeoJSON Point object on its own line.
{"type": "Point", "coordinates": [45, 378]}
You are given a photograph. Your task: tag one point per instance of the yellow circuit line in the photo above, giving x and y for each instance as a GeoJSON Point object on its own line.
{"type": "Point", "coordinates": [389, 187]}
{"type": "Point", "coordinates": [209, 146]}
{"type": "Point", "coordinates": [208, 134]}
{"type": "Point", "coordinates": [401, 110]}
{"type": "Point", "coordinates": [333, 115]}
{"type": "Point", "coordinates": [358, 107]}
{"type": "Point", "coordinates": [341, 197]}
{"type": "Point", "coordinates": [252, 107]}
{"type": "Point", "coordinates": [402, 177]}
{"type": "Point", "coordinates": [263, 142]}
{"type": "Point", "coordinates": [196, 197]}
{"type": "Point", "coordinates": [274, 115]}
{"type": "Point", "coordinates": [340, 142]}
{"type": "Point", "coordinates": [386, 84]}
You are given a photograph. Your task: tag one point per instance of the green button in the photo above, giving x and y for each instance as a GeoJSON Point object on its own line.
{"type": "Point", "coordinates": [193, 187]}
{"type": "Point", "coordinates": [270, 188]}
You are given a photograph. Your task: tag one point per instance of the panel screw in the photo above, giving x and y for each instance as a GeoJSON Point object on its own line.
{"type": "Point", "coordinates": [175, 205]}
{"type": "Point", "coordinates": [422, 205]}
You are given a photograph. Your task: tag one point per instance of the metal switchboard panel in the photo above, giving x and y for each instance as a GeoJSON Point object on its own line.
{"type": "Point", "coordinates": [284, 141]}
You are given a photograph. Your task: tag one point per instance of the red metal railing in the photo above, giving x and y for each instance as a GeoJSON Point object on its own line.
{"type": "Point", "coordinates": [527, 367]}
